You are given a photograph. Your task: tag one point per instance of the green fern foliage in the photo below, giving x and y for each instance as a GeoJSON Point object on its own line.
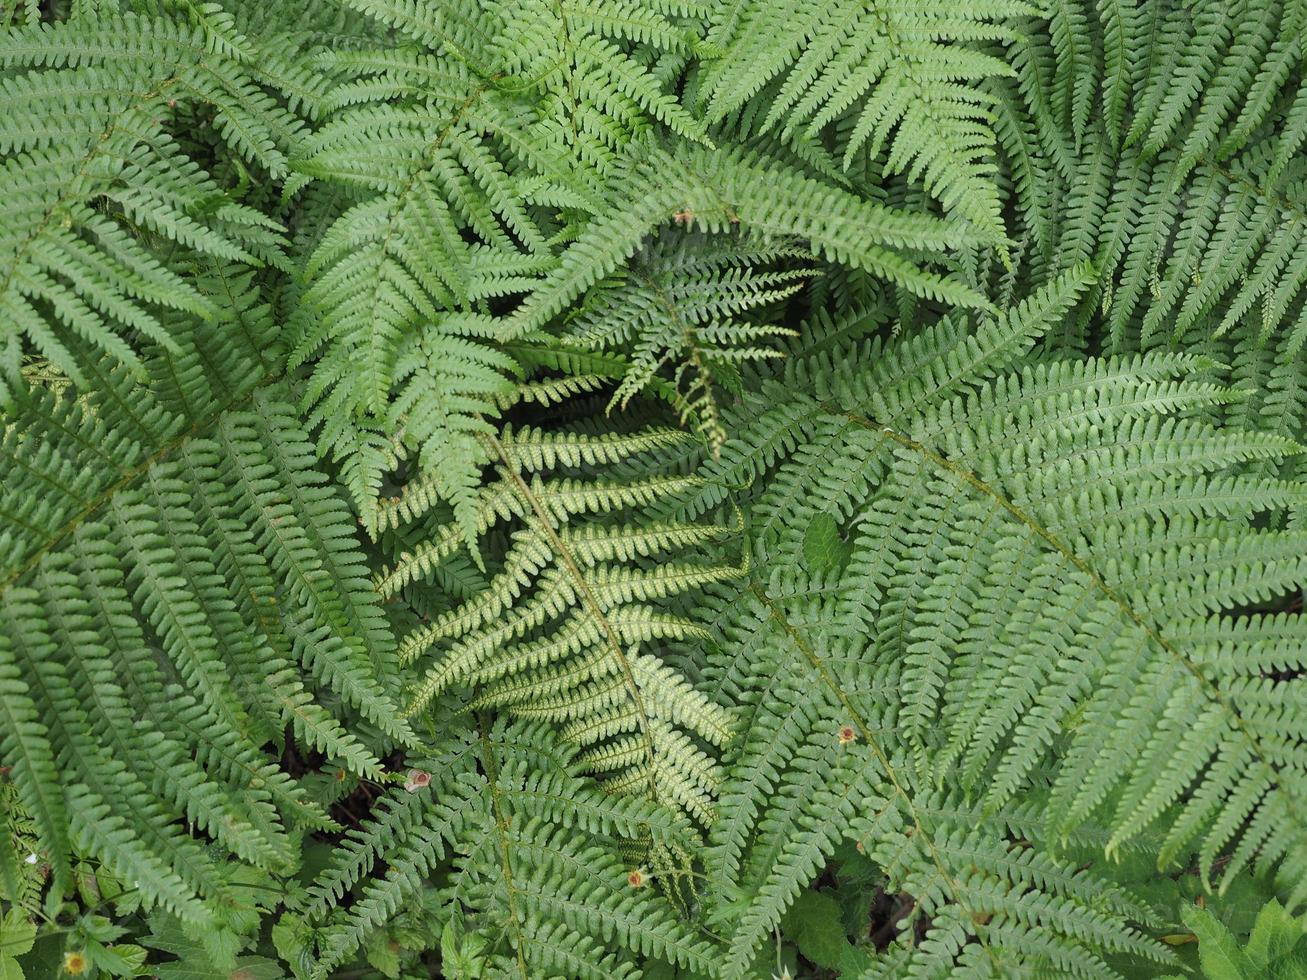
{"type": "Point", "coordinates": [1071, 506]}
{"type": "Point", "coordinates": [652, 488]}
{"type": "Point", "coordinates": [523, 865]}
{"type": "Point", "coordinates": [89, 125]}
{"type": "Point", "coordinates": [172, 545]}
{"type": "Point", "coordinates": [567, 626]}
{"type": "Point", "coordinates": [679, 303]}
{"type": "Point", "coordinates": [904, 78]}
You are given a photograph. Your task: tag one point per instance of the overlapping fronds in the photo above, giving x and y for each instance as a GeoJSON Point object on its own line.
{"type": "Point", "coordinates": [569, 625]}
{"type": "Point", "coordinates": [92, 120]}
{"type": "Point", "coordinates": [177, 583]}
{"type": "Point", "coordinates": [523, 860]}
{"type": "Point", "coordinates": [899, 78]}
{"type": "Point", "coordinates": [933, 523]}
{"type": "Point", "coordinates": [800, 488]}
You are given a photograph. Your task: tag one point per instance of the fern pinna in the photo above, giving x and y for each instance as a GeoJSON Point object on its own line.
{"type": "Point", "coordinates": [667, 488]}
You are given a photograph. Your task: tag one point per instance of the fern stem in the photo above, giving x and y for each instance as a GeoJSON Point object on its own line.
{"type": "Point", "coordinates": [587, 596]}
{"type": "Point", "coordinates": [864, 731]}
{"type": "Point", "coordinates": [501, 833]}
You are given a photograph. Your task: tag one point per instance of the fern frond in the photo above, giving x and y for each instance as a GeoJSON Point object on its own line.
{"type": "Point", "coordinates": [561, 631]}
{"type": "Point", "coordinates": [106, 561]}
{"type": "Point", "coordinates": [720, 191]}
{"type": "Point", "coordinates": [905, 75]}
{"type": "Point", "coordinates": [90, 154]}
{"type": "Point", "coordinates": [534, 864]}
{"type": "Point", "coordinates": [980, 533]}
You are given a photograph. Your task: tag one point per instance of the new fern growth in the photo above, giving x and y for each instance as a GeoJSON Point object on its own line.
{"type": "Point", "coordinates": [667, 488]}
{"type": "Point", "coordinates": [560, 630]}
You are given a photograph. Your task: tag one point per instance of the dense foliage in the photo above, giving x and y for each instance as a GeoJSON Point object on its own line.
{"type": "Point", "coordinates": [666, 488]}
